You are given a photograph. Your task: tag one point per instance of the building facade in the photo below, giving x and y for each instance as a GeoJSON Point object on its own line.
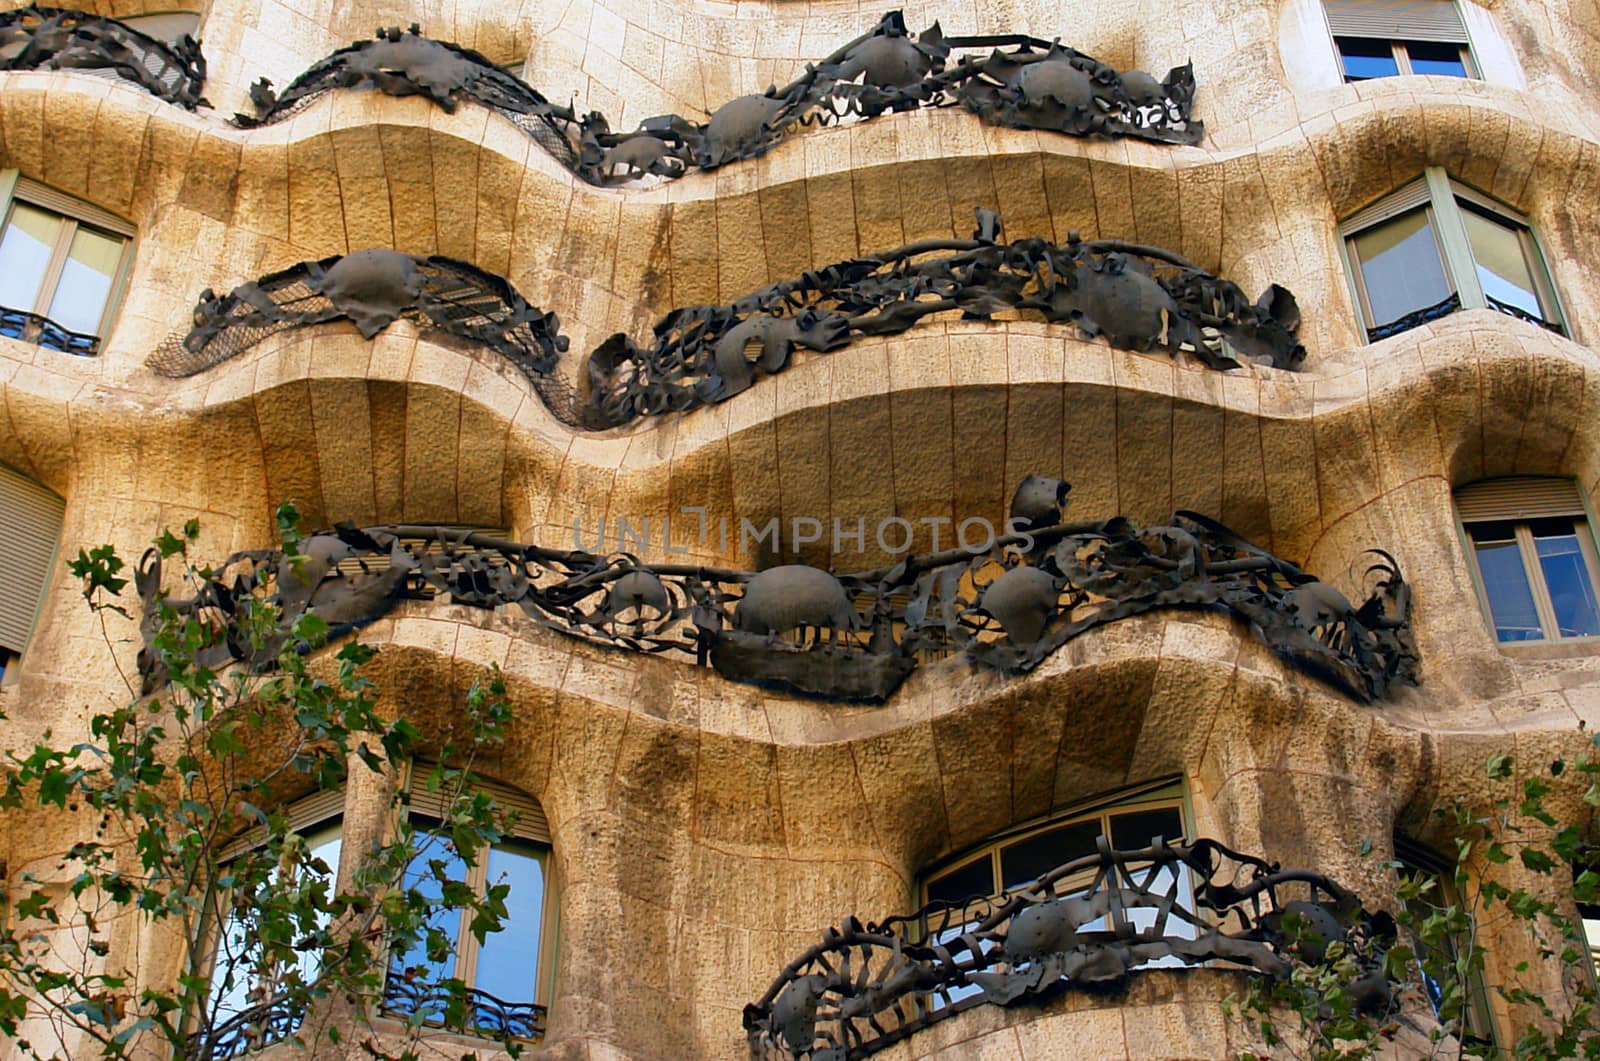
{"type": "Point", "coordinates": [1328, 285]}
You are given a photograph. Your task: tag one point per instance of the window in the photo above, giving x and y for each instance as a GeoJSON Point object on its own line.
{"type": "Point", "coordinates": [1391, 38]}
{"type": "Point", "coordinates": [1437, 246]}
{"type": "Point", "coordinates": [1445, 947]}
{"type": "Point", "coordinates": [1534, 558]}
{"type": "Point", "coordinates": [243, 988]}
{"type": "Point", "coordinates": [1586, 890]}
{"type": "Point", "coordinates": [169, 27]}
{"type": "Point", "coordinates": [509, 974]}
{"type": "Point", "coordinates": [1025, 855]}
{"type": "Point", "coordinates": [62, 266]}
{"type": "Point", "coordinates": [30, 529]}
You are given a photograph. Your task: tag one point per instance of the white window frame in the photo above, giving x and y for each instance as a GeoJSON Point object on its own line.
{"type": "Point", "coordinates": [1157, 795]}
{"type": "Point", "coordinates": [1579, 511]}
{"type": "Point", "coordinates": [1446, 200]}
{"type": "Point", "coordinates": [1400, 49]}
{"type": "Point", "coordinates": [15, 188]}
{"type": "Point", "coordinates": [529, 831]}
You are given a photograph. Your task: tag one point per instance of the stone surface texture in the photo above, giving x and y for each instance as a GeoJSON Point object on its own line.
{"type": "Point", "coordinates": [705, 832]}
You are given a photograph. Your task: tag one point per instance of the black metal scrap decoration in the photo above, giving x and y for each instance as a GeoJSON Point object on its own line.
{"type": "Point", "coordinates": [1088, 924]}
{"type": "Point", "coordinates": [849, 637]}
{"type": "Point", "coordinates": [1011, 79]}
{"type": "Point", "coordinates": [1138, 297]}
{"type": "Point", "coordinates": [53, 38]}
{"type": "Point", "coordinates": [372, 288]}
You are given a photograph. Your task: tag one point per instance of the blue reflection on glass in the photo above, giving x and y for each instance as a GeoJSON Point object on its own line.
{"type": "Point", "coordinates": [1363, 58]}
{"type": "Point", "coordinates": [1566, 575]}
{"type": "Point", "coordinates": [420, 875]}
{"type": "Point", "coordinates": [1505, 583]}
{"type": "Point", "coordinates": [1429, 57]}
{"type": "Point", "coordinates": [508, 960]}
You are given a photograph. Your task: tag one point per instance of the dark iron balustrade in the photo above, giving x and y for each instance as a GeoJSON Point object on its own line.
{"type": "Point", "coordinates": [1523, 315]}
{"type": "Point", "coordinates": [1006, 604]}
{"type": "Point", "coordinates": [1011, 79]}
{"type": "Point", "coordinates": [250, 1029]}
{"type": "Point", "coordinates": [1138, 297]}
{"type": "Point", "coordinates": [1447, 306]}
{"type": "Point", "coordinates": [42, 331]}
{"type": "Point", "coordinates": [484, 1014]}
{"type": "Point", "coordinates": [52, 38]}
{"type": "Point", "coordinates": [1092, 922]}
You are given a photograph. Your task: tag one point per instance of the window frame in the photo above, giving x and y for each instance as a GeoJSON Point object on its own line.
{"type": "Point", "coordinates": [1155, 795]}
{"type": "Point", "coordinates": [307, 815]}
{"type": "Point", "coordinates": [1584, 526]}
{"type": "Point", "coordinates": [1414, 858]}
{"type": "Point", "coordinates": [1400, 49]}
{"type": "Point", "coordinates": [464, 962]}
{"type": "Point", "coordinates": [15, 188]}
{"type": "Point", "coordinates": [1446, 200]}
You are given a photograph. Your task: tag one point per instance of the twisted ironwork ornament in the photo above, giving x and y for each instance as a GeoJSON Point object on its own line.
{"type": "Point", "coordinates": [372, 288]}
{"type": "Point", "coordinates": [54, 38]}
{"type": "Point", "coordinates": [1011, 79]}
{"type": "Point", "coordinates": [1090, 923]}
{"type": "Point", "coordinates": [1138, 297]}
{"type": "Point", "coordinates": [1007, 605]}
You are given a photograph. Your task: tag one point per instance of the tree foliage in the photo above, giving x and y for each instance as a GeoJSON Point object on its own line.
{"type": "Point", "coordinates": [180, 802]}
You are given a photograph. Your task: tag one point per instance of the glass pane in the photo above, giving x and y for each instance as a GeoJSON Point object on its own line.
{"type": "Point", "coordinates": [25, 251]}
{"type": "Point", "coordinates": [1363, 58]}
{"type": "Point", "coordinates": [1135, 828]}
{"type": "Point", "coordinates": [1505, 583]}
{"type": "Point", "coordinates": [420, 875]}
{"type": "Point", "coordinates": [1034, 856]}
{"type": "Point", "coordinates": [251, 985]}
{"type": "Point", "coordinates": [508, 960]}
{"type": "Point", "coordinates": [969, 881]}
{"type": "Point", "coordinates": [1399, 262]}
{"type": "Point", "coordinates": [1431, 57]}
{"type": "Point", "coordinates": [80, 298]}
{"type": "Point", "coordinates": [1502, 267]}
{"type": "Point", "coordinates": [1566, 576]}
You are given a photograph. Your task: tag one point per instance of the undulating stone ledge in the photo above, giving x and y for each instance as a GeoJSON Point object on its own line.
{"type": "Point", "coordinates": [476, 191]}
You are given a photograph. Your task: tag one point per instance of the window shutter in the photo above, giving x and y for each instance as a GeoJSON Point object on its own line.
{"type": "Point", "coordinates": [530, 823]}
{"type": "Point", "coordinates": [30, 530]}
{"type": "Point", "coordinates": [1394, 204]}
{"type": "Point", "coordinates": [1521, 497]}
{"type": "Point", "coordinates": [169, 26]}
{"type": "Point", "coordinates": [304, 814]}
{"type": "Point", "coordinates": [44, 195]}
{"type": "Point", "coordinates": [1397, 20]}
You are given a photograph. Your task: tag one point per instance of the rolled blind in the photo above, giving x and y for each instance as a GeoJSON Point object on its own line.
{"type": "Point", "coordinates": [1397, 20]}
{"type": "Point", "coordinates": [1522, 497]}
{"type": "Point", "coordinates": [30, 530]}
{"type": "Point", "coordinates": [304, 814]}
{"type": "Point", "coordinates": [169, 26]}
{"type": "Point", "coordinates": [44, 195]}
{"type": "Point", "coordinates": [529, 821]}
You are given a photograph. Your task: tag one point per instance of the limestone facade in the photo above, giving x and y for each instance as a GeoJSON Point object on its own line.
{"type": "Point", "coordinates": [705, 832]}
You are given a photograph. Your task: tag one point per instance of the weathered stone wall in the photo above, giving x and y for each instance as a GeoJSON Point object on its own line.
{"type": "Point", "coordinates": [705, 832]}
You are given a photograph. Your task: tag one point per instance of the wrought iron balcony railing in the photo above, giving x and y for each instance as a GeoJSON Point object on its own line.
{"type": "Point", "coordinates": [42, 331]}
{"type": "Point", "coordinates": [52, 38]}
{"type": "Point", "coordinates": [1010, 79]}
{"type": "Point", "coordinates": [1138, 297]}
{"type": "Point", "coordinates": [1092, 922]}
{"type": "Point", "coordinates": [484, 1014]}
{"type": "Point", "coordinates": [1007, 603]}
{"type": "Point", "coordinates": [1447, 306]}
